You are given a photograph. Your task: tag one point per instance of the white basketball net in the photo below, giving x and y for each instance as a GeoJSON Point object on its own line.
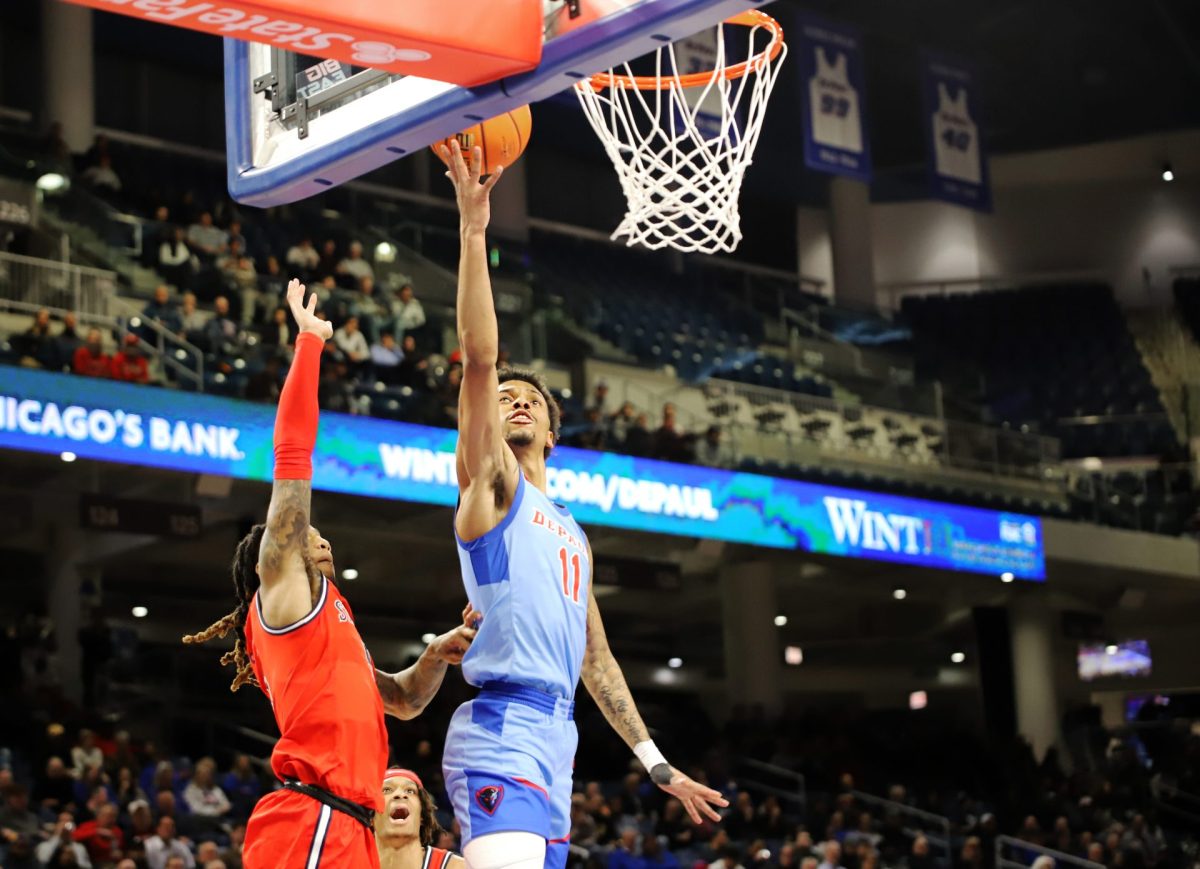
{"type": "Point", "coordinates": [681, 151]}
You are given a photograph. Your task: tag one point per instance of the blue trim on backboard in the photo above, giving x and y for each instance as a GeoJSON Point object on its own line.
{"type": "Point", "coordinates": [566, 59]}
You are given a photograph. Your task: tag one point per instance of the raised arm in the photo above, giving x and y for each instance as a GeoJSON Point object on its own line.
{"type": "Point", "coordinates": [285, 590]}
{"type": "Point", "coordinates": [407, 693]}
{"type": "Point", "coordinates": [604, 680]}
{"type": "Point", "coordinates": [482, 452]}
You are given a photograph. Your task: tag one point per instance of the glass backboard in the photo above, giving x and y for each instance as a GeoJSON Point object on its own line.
{"type": "Point", "coordinates": [298, 124]}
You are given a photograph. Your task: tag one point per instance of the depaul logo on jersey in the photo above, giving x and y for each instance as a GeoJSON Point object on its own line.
{"type": "Point", "coordinates": [489, 798]}
{"type": "Point", "coordinates": [559, 530]}
{"type": "Point", "coordinates": [861, 528]}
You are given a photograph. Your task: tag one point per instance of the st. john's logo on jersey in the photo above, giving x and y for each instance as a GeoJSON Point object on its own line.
{"type": "Point", "coordinates": [489, 798]}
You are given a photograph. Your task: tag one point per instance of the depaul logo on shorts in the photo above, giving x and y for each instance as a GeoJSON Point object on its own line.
{"type": "Point", "coordinates": [489, 798]}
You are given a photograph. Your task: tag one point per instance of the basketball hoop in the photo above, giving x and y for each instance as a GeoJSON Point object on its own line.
{"type": "Point", "coordinates": [682, 142]}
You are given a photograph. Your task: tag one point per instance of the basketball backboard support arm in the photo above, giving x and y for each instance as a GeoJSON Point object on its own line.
{"type": "Point", "coordinates": [271, 163]}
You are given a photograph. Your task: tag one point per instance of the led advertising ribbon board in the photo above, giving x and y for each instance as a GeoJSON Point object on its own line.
{"type": "Point", "coordinates": [137, 425]}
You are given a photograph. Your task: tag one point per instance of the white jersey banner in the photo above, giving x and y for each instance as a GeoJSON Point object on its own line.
{"type": "Point", "coordinates": [957, 160]}
{"type": "Point", "coordinates": [832, 82]}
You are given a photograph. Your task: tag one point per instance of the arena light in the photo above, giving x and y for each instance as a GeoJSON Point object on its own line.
{"type": "Point", "coordinates": [1006, 577]}
{"type": "Point", "coordinates": [957, 657]}
{"type": "Point", "coordinates": [53, 182]}
{"type": "Point", "coordinates": [140, 612]}
{"type": "Point", "coordinates": [1111, 649]}
{"type": "Point", "coordinates": [793, 656]}
{"type": "Point", "coordinates": [1168, 173]}
{"type": "Point", "coordinates": [67, 456]}
{"type": "Point", "coordinates": [385, 252]}
{"type": "Point", "coordinates": [900, 593]}
{"type": "Point", "coordinates": [918, 700]}
{"type": "Point", "coordinates": [349, 573]}
{"type": "Point", "coordinates": [675, 663]}
{"type": "Point", "coordinates": [428, 638]}
{"type": "Point", "coordinates": [780, 621]}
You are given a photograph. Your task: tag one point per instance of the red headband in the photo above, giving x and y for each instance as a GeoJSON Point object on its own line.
{"type": "Point", "coordinates": [397, 772]}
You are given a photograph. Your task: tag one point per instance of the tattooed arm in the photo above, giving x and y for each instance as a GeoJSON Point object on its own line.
{"type": "Point", "coordinates": [606, 683]}
{"type": "Point", "coordinates": [407, 693]}
{"type": "Point", "coordinates": [285, 591]}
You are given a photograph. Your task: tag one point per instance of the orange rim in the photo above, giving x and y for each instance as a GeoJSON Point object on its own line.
{"type": "Point", "coordinates": [749, 18]}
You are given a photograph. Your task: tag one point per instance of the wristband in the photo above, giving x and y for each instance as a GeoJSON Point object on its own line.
{"type": "Point", "coordinates": [654, 762]}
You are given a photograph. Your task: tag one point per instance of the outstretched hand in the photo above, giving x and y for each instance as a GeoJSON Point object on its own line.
{"type": "Point", "coordinates": [306, 314]}
{"type": "Point", "coordinates": [474, 207]}
{"type": "Point", "coordinates": [697, 799]}
{"type": "Point", "coordinates": [453, 645]}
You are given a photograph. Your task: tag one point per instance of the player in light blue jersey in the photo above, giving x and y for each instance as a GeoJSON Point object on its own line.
{"type": "Point", "coordinates": [527, 566]}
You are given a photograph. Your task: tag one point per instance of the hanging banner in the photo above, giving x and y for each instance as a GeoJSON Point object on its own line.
{"type": "Point", "coordinates": [835, 105]}
{"type": "Point", "coordinates": [958, 170]}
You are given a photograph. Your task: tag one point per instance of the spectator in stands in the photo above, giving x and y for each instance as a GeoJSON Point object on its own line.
{"type": "Point", "coordinates": [99, 148]}
{"type": "Point", "coordinates": [919, 857]}
{"type": "Point", "coordinates": [207, 852]}
{"type": "Point", "coordinates": [278, 335]}
{"type": "Point", "coordinates": [191, 321]}
{"type": "Point", "coordinates": [141, 823]}
{"type": "Point", "coordinates": [654, 855]}
{"type": "Point", "coordinates": [625, 854]}
{"type": "Point", "coordinates": [48, 853]}
{"type": "Point", "coordinates": [353, 344]}
{"type": "Point", "coordinates": [386, 358]}
{"type": "Point", "coordinates": [414, 366]}
{"type": "Point", "coordinates": [831, 855]}
{"type": "Point", "coordinates": [971, 855]}
{"type": "Point", "coordinates": [221, 331]}
{"type": "Point", "coordinates": [234, 236]}
{"type": "Point", "coordinates": [583, 826]}
{"type": "Point", "coordinates": [203, 796]}
{"type": "Point", "coordinates": [241, 785]}
{"type": "Point", "coordinates": [55, 790]}
{"type": "Point", "coordinates": [127, 790]}
{"type": "Point", "coordinates": [410, 313]}
{"type": "Point", "coordinates": [335, 391]}
{"type": "Point", "coordinates": [1141, 835]}
{"type": "Point", "coordinates": [239, 276]}
{"type": "Point", "coordinates": [595, 434]}
{"type": "Point", "coordinates": [327, 263]}
{"type": "Point", "coordinates": [175, 861]}
{"type": "Point", "coordinates": [207, 241]}
{"type": "Point", "coordinates": [354, 266]}
{"type": "Point", "coordinates": [233, 854]}
{"type": "Point", "coordinates": [675, 826]}
{"type": "Point", "coordinates": [600, 398]}
{"type": "Point", "coordinates": [19, 827]}
{"type": "Point", "coordinates": [35, 344]}
{"type": "Point", "coordinates": [102, 837]}
{"type": "Point", "coordinates": [87, 754]}
{"type": "Point", "coordinates": [620, 423]}
{"type": "Point", "coordinates": [102, 177]}
{"type": "Point", "coordinates": [55, 149]}
{"type": "Point", "coordinates": [727, 858]}
{"type": "Point", "coordinates": [66, 343]}
{"type": "Point", "coordinates": [711, 451]}
{"type": "Point", "coordinates": [371, 309]}
{"type": "Point", "coordinates": [272, 283]}
{"type": "Point", "coordinates": [176, 260]}
{"type": "Point", "coordinates": [163, 845]}
{"type": "Point", "coordinates": [303, 258]}
{"type": "Point", "coordinates": [162, 309]}
{"type": "Point", "coordinates": [263, 385]}
{"type": "Point", "coordinates": [638, 440]}
{"type": "Point", "coordinates": [739, 821]}
{"type": "Point", "coordinates": [669, 443]}
{"type": "Point", "coordinates": [447, 395]}
{"type": "Point", "coordinates": [129, 363]}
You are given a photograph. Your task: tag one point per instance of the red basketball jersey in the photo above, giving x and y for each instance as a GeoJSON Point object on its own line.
{"type": "Point", "coordinates": [436, 858]}
{"type": "Point", "coordinates": [320, 680]}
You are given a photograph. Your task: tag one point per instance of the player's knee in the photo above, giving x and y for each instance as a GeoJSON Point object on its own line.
{"type": "Point", "coordinates": [506, 851]}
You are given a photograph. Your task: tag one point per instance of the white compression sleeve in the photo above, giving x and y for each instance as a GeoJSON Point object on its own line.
{"type": "Point", "coordinates": [506, 851]}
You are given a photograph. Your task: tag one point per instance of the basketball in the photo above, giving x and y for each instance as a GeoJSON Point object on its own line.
{"type": "Point", "coordinates": [502, 139]}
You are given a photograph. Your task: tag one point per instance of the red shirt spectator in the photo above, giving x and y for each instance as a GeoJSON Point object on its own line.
{"type": "Point", "coordinates": [90, 359]}
{"type": "Point", "coordinates": [102, 837]}
{"type": "Point", "coordinates": [129, 363]}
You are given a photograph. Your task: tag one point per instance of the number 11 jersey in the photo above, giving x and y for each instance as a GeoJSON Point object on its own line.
{"type": "Point", "coordinates": [529, 577]}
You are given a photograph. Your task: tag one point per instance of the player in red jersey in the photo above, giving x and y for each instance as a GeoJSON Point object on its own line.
{"type": "Point", "coordinates": [407, 828]}
{"type": "Point", "coordinates": [296, 639]}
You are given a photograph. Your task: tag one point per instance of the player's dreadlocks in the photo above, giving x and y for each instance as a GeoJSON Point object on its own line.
{"type": "Point", "coordinates": [245, 582]}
